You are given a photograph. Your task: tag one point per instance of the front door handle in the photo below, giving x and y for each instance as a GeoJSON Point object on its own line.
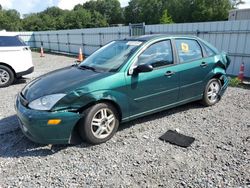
{"type": "Point", "coordinates": [203, 64]}
{"type": "Point", "coordinates": [169, 73]}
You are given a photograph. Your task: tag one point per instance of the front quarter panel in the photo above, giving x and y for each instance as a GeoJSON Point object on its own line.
{"type": "Point", "coordinates": [112, 88]}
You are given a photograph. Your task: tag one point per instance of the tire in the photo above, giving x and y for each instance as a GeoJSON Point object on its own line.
{"type": "Point", "coordinates": [99, 124]}
{"type": "Point", "coordinates": [7, 76]}
{"type": "Point", "coordinates": [211, 93]}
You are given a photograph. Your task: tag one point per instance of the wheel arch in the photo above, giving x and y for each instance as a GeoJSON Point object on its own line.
{"type": "Point", "coordinates": [218, 76]}
{"type": "Point", "coordinates": [10, 67]}
{"type": "Point", "coordinates": [75, 137]}
{"type": "Point", "coordinates": [112, 102]}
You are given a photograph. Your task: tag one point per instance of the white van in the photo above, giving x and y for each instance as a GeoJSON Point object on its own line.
{"type": "Point", "coordinates": [15, 59]}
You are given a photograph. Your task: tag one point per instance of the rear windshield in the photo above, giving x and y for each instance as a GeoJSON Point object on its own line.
{"type": "Point", "coordinates": [9, 41]}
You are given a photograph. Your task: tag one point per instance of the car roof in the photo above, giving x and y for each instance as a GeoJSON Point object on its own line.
{"type": "Point", "coordinates": [145, 38]}
{"type": "Point", "coordinates": [7, 34]}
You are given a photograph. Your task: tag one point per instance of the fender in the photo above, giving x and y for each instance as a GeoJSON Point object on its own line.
{"type": "Point", "coordinates": [76, 101]}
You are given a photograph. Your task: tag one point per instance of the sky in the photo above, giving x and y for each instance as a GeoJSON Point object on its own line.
{"type": "Point", "coordinates": [30, 6]}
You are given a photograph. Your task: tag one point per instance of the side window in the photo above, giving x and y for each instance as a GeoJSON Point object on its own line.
{"type": "Point", "coordinates": [188, 50]}
{"type": "Point", "coordinates": [8, 41]}
{"type": "Point", "coordinates": [208, 51]}
{"type": "Point", "coordinates": [158, 55]}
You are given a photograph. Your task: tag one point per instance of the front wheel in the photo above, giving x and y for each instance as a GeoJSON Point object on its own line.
{"type": "Point", "coordinates": [211, 93]}
{"type": "Point", "coordinates": [99, 124]}
{"type": "Point", "coordinates": [7, 76]}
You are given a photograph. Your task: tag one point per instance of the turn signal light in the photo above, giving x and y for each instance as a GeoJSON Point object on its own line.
{"type": "Point", "coordinates": [54, 121]}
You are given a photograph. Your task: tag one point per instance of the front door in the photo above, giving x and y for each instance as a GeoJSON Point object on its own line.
{"type": "Point", "coordinates": [157, 89]}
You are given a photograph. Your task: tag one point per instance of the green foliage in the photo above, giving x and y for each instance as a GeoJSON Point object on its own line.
{"type": "Point", "coordinates": [181, 11]}
{"type": "Point", "coordinates": [149, 11]}
{"type": "Point", "coordinates": [234, 82]}
{"type": "Point", "coordinates": [55, 19]}
{"type": "Point", "coordinates": [110, 9]}
{"type": "Point", "coordinates": [198, 10]}
{"type": "Point", "coordinates": [10, 20]}
{"type": "Point", "coordinates": [101, 13]}
{"type": "Point", "coordinates": [166, 18]}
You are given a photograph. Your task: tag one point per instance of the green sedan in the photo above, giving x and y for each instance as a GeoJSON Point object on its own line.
{"type": "Point", "coordinates": [124, 80]}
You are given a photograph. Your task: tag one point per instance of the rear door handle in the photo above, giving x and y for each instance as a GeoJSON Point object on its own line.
{"type": "Point", "coordinates": [203, 64]}
{"type": "Point", "coordinates": [169, 73]}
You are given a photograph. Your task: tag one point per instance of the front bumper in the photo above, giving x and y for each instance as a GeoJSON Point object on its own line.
{"type": "Point", "coordinates": [30, 70]}
{"type": "Point", "coordinates": [34, 124]}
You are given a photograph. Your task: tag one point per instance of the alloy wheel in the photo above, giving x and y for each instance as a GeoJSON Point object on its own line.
{"type": "Point", "coordinates": [213, 91]}
{"type": "Point", "coordinates": [103, 123]}
{"type": "Point", "coordinates": [4, 77]}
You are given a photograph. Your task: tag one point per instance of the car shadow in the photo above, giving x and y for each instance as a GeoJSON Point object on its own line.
{"type": "Point", "coordinates": [21, 80]}
{"type": "Point", "coordinates": [13, 143]}
{"type": "Point", "coordinates": [159, 115]}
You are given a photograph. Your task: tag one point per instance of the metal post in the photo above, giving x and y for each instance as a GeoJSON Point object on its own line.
{"type": "Point", "coordinates": [41, 39]}
{"type": "Point", "coordinates": [83, 45]}
{"type": "Point", "coordinates": [144, 28]}
{"type": "Point", "coordinates": [34, 40]}
{"type": "Point", "coordinates": [68, 42]}
{"type": "Point", "coordinates": [130, 29]}
{"type": "Point", "coordinates": [49, 41]}
{"type": "Point", "coordinates": [197, 32]}
{"type": "Point", "coordinates": [58, 46]}
{"type": "Point", "coordinates": [100, 39]}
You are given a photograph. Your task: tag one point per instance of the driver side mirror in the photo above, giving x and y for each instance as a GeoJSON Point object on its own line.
{"type": "Point", "coordinates": [143, 68]}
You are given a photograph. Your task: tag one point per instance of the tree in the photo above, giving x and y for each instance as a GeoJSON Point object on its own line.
{"type": "Point", "coordinates": [10, 20]}
{"type": "Point", "coordinates": [55, 19]}
{"type": "Point", "coordinates": [133, 12]}
{"type": "Point", "coordinates": [77, 19]}
{"type": "Point", "coordinates": [97, 20]}
{"type": "Point", "coordinates": [149, 11]}
{"type": "Point", "coordinates": [32, 22]}
{"type": "Point", "coordinates": [183, 11]}
{"type": "Point", "coordinates": [110, 9]}
{"type": "Point", "coordinates": [166, 18]}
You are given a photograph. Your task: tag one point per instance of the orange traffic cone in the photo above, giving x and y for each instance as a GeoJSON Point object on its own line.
{"type": "Point", "coordinates": [80, 56]}
{"type": "Point", "coordinates": [241, 73]}
{"type": "Point", "coordinates": [42, 52]}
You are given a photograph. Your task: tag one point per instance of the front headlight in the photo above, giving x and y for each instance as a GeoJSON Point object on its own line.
{"type": "Point", "coordinates": [46, 102]}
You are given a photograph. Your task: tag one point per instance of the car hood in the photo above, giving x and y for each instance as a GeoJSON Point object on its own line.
{"type": "Point", "coordinates": [60, 81]}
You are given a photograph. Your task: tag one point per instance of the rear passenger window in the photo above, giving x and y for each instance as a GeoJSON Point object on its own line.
{"type": "Point", "coordinates": [158, 54]}
{"type": "Point", "coordinates": [9, 41]}
{"type": "Point", "coordinates": [188, 50]}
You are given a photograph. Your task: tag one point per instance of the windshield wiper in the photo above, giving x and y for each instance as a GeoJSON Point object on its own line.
{"type": "Point", "coordinates": [87, 67]}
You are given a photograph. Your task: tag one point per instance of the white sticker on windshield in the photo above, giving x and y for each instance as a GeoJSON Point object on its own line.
{"type": "Point", "coordinates": [134, 43]}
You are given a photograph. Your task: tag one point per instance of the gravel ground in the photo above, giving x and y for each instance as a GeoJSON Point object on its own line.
{"type": "Point", "coordinates": [134, 157]}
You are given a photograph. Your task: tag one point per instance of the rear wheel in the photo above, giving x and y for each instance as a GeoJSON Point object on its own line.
{"type": "Point", "coordinates": [211, 93]}
{"type": "Point", "coordinates": [7, 76]}
{"type": "Point", "coordinates": [99, 124]}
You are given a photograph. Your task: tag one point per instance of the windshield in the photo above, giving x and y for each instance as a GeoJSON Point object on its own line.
{"type": "Point", "coordinates": [111, 57]}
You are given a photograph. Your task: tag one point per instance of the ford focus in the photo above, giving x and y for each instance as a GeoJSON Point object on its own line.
{"type": "Point", "coordinates": [123, 80]}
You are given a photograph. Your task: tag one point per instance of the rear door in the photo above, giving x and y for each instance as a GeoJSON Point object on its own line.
{"type": "Point", "coordinates": [193, 67]}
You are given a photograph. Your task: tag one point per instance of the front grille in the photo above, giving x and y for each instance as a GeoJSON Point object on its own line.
{"type": "Point", "coordinates": [23, 101]}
